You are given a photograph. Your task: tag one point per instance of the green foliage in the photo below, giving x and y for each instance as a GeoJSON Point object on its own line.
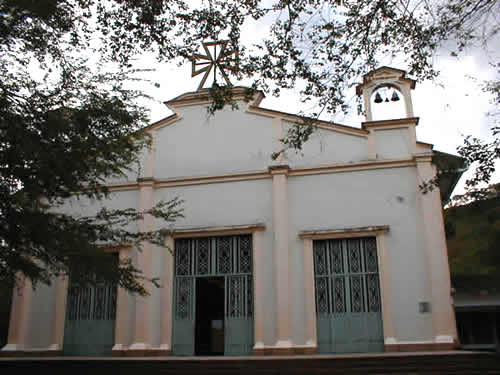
{"type": "Point", "coordinates": [66, 128]}
{"type": "Point", "coordinates": [296, 136]}
{"type": "Point", "coordinates": [220, 96]}
{"type": "Point", "coordinates": [473, 235]}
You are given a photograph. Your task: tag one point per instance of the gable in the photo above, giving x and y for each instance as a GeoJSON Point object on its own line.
{"type": "Point", "coordinates": [194, 143]}
{"type": "Point", "coordinates": [198, 144]}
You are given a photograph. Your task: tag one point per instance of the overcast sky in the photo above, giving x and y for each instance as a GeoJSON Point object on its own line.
{"type": "Point", "coordinates": [449, 108]}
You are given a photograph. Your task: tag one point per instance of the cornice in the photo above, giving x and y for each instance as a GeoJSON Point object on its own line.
{"type": "Point", "coordinates": [186, 181]}
{"type": "Point", "coordinates": [271, 113]}
{"type": "Point", "coordinates": [391, 124]}
{"type": "Point", "coordinates": [349, 167]}
{"type": "Point", "coordinates": [279, 169]}
{"type": "Point", "coordinates": [164, 122]}
{"type": "Point", "coordinates": [424, 157]}
{"type": "Point", "coordinates": [393, 73]}
{"type": "Point", "coordinates": [203, 97]}
{"type": "Point", "coordinates": [267, 174]}
{"type": "Point", "coordinates": [216, 231]}
{"type": "Point", "coordinates": [344, 232]}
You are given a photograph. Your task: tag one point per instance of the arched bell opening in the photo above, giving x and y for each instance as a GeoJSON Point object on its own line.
{"type": "Point", "coordinates": [387, 102]}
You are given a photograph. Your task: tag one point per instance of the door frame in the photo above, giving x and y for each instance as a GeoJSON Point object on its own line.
{"type": "Point", "coordinates": [384, 266]}
{"type": "Point", "coordinates": [214, 233]}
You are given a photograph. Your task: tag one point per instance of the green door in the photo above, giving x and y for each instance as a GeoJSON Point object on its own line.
{"type": "Point", "coordinates": [90, 321]}
{"type": "Point", "coordinates": [228, 257]}
{"type": "Point", "coordinates": [238, 320]}
{"type": "Point", "coordinates": [348, 303]}
{"type": "Point", "coordinates": [184, 316]}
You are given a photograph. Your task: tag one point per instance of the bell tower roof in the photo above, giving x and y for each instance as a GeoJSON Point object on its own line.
{"type": "Point", "coordinates": [385, 73]}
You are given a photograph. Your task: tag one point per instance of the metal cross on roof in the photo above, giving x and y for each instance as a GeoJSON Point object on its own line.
{"type": "Point", "coordinates": [219, 60]}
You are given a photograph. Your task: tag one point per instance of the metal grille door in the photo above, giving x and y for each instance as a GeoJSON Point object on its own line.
{"type": "Point", "coordinates": [348, 304]}
{"type": "Point", "coordinates": [90, 320]}
{"type": "Point", "coordinates": [229, 257]}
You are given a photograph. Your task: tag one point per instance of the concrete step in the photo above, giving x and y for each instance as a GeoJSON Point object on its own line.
{"type": "Point", "coordinates": [449, 363]}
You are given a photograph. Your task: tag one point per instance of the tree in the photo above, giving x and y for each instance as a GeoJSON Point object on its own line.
{"type": "Point", "coordinates": [473, 232]}
{"type": "Point", "coordinates": [68, 121]}
{"type": "Point", "coordinates": [62, 135]}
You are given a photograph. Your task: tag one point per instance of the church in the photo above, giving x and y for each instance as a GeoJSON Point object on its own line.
{"type": "Point", "coordinates": [332, 250]}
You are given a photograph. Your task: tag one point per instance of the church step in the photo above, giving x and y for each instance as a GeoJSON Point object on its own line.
{"type": "Point", "coordinates": [411, 364]}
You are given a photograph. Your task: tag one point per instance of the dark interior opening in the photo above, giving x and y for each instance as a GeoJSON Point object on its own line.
{"type": "Point", "coordinates": [209, 328]}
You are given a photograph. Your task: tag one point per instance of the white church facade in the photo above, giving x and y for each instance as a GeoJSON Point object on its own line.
{"type": "Point", "coordinates": [335, 250]}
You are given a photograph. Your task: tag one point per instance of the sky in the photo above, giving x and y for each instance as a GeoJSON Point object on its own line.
{"type": "Point", "coordinates": [449, 108]}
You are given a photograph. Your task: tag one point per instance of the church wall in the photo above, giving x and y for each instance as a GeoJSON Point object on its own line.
{"type": "Point", "coordinates": [43, 303]}
{"type": "Point", "coordinates": [227, 204]}
{"type": "Point", "coordinates": [366, 198]}
{"type": "Point", "coordinates": [42, 317]}
{"type": "Point", "coordinates": [200, 145]}
{"type": "Point", "coordinates": [393, 143]}
{"type": "Point", "coordinates": [82, 206]}
{"type": "Point", "coordinates": [235, 142]}
{"type": "Point", "coordinates": [130, 175]}
{"type": "Point", "coordinates": [327, 147]}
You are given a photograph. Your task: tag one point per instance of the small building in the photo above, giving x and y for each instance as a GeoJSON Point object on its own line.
{"type": "Point", "coordinates": [331, 250]}
{"type": "Point", "coordinates": [478, 319]}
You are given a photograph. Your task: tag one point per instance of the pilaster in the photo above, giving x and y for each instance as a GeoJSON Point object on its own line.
{"type": "Point", "coordinates": [282, 258]}
{"type": "Point", "coordinates": [310, 293]}
{"type": "Point", "coordinates": [143, 305]}
{"type": "Point", "coordinates": [259, 289]}
{"type": "Point", "coordinates": [444, 325]}
{"type": "Point", "coordinates": [167, 296]}
{"type": "Point", "coordinates": [384, 266]}
{"type": "Point", "coordinates": [20, 317]}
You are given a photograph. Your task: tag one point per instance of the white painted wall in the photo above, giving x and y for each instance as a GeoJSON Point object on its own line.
{"type": "Point", "coordinates": [84, 206]}
{"type": "Point", "coordinates": [365, 198]}
{"type": "Point", "coordinates": [392, 143]}
{"type": "Point", "coordinates": [327, 147]}
{"type": "Point", "coordinates": [199, 145]}
{"type": "Point", "coordinates": [42, 316]}
{"type": "Point", "coordinates": [234, 203]}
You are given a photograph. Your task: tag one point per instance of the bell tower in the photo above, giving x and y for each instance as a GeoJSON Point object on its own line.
{"type": "Point", "coordinates": [395, 137]}
{"type": "Point", "coordinates": [386, 78]}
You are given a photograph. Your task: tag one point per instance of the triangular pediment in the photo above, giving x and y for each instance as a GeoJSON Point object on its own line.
{"type": "Point", "coordinates": [384, 74]}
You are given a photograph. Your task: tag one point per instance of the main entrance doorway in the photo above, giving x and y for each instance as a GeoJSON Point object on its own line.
{"type": "Point", "coordinates": [209, 325]}
{"type": "Point", "coordinates": [348, 304]}
{"type": "Point", "coordinates": [213, 297]}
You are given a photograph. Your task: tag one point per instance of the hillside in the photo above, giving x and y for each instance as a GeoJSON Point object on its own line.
{"type": "Point", "coordinates": [473, 236]}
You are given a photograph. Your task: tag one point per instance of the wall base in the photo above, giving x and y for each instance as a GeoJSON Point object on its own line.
{"type": "Point", "coordinates": [31, 353]}
{"type": "Point", "coordinates": [141, 353]}
{"type": "Point", "coordinates": [420, 347]}
{"type": "Point", "coordinates": [285, 351]}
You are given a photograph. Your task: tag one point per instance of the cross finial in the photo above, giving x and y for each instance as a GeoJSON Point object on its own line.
{"type": "Point", "coordinates": [220, 59]}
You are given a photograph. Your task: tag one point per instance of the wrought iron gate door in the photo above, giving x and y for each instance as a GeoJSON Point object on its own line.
{"type": "Point", "coordinates": [231, 258]}
{"type": "Point", "coordinates": [90, 320]}
{"type": "Point", "coordinates": [348, 305]}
